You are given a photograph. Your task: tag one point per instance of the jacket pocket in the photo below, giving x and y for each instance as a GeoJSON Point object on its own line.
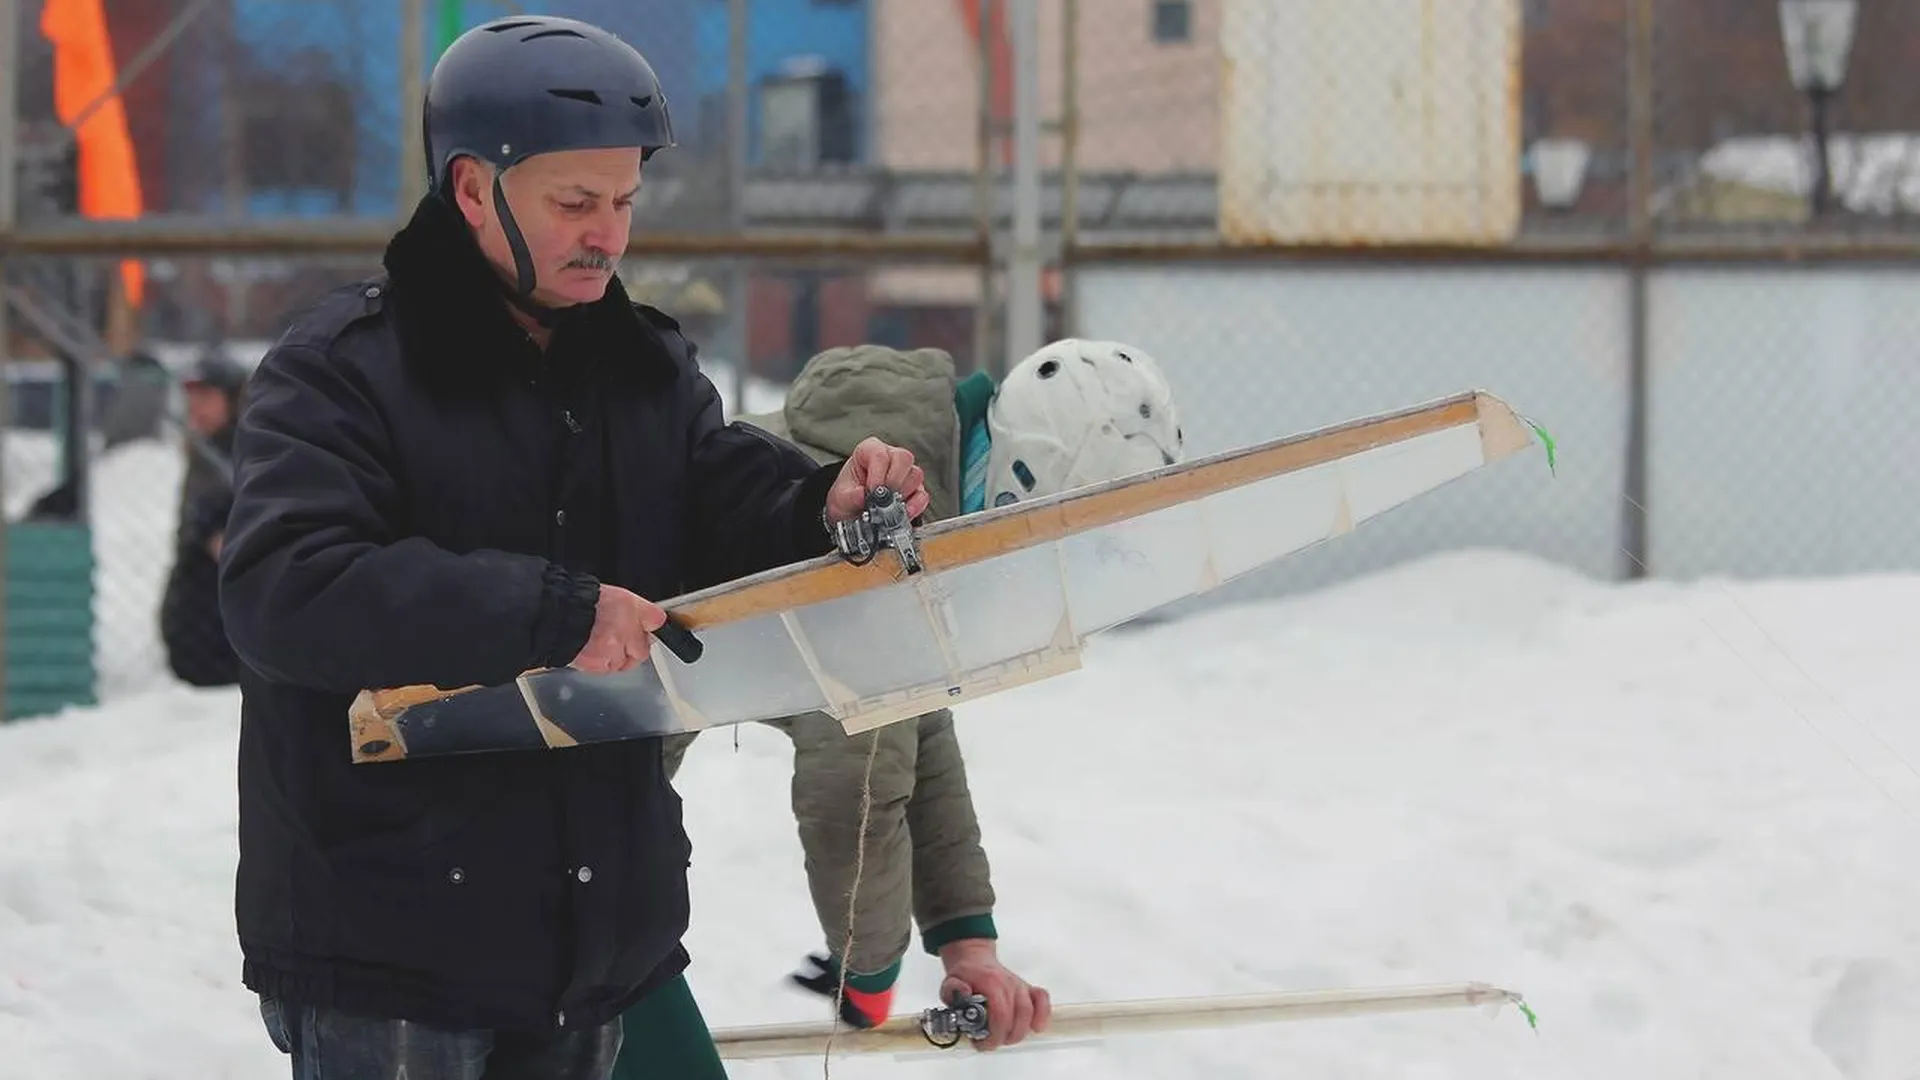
{"type": "Point", "coordinates": [462, 895]}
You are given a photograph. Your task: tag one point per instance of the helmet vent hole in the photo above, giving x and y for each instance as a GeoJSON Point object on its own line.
{"type": "Point", "coordinates": [504, 27]}
{"type": "Point", "coordinates": [1123, 356]}
{"type": "Point", "coordinates": [1146, 411]}
{"type": "Point", "coordinates": [1023, 474]}
{"type": "Point", "coordinates": [587, 96]}
{"type": "Point", "coordinates": [559, 32]}
{"type": "Point", "coordinates": [1166, 458]}
{"type": "Point", "coordinates": [1049, 368]}
{"type": "Point", "coordinates": [643, 102]}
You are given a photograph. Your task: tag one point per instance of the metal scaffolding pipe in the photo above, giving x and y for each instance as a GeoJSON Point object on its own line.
{"type": "Point", "coordinates": [171, 235]}
{"type": "Point", "coordinates": [187, 235]}
{"type": "Point", "coordinates": [1025, 309]}
{"type": "Point", "coordinates": [9, 199]}
{"type": "Point", "coordinates": [413, 103]}
{"type": "Point", "coordinates": [738, 341]}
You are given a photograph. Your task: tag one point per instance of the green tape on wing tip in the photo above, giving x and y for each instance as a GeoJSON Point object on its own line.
{"type": "Point", "coordinates": [1526, 1011]}
{"type": "Point", "coordinates": [1546, 440]}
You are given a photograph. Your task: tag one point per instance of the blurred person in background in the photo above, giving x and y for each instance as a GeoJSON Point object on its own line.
{"type": "Point", "coordinates": [212, 389]}
{"type": "Point", "coordinates": [1074, 413]}
{"type": "Point", "coordinates": [191, 629]}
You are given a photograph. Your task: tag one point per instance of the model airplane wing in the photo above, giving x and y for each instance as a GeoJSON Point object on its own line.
{"type": "Point", "coordinates": [986, 602]}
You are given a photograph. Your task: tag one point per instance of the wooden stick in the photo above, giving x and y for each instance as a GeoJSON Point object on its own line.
{"type": "Point", "coordinates": [902, 1034]}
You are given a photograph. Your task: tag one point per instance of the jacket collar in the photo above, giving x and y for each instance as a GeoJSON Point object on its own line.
{"type": "Point", "coordinates": [451, 311]}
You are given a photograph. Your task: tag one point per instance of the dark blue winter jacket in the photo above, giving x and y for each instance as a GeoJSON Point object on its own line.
{"type": "Point", "coordinates": [422, 497]}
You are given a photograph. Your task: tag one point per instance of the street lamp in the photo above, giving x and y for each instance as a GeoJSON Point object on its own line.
{"type": "Point", "coordinates": [1818, 35]}
{"type": "Point", "coordinates": [1559, 171]}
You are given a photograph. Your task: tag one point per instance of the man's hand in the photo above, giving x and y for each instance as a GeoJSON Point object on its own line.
{"type": "Point", "coordinates": [621, 625]}
{"type": "Point", "coordinates": [1014, 1008]}
{"type": "Point", "coordinates": [214, 543]}
{"type": "Point", "coordinates": [872, 464]}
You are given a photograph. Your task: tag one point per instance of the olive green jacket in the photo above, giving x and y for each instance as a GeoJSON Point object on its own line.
{"type": "Point", "coordinates": [924, 860]}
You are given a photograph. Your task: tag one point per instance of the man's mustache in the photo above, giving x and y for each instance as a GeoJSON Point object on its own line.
{"type": "Point", "coordinates": [589, 260]}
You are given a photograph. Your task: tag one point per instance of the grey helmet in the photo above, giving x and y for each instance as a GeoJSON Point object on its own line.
{"type": "Point", "coordinates": [535, 84]}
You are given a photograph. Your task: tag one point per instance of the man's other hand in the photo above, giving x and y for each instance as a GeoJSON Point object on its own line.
{"type": "Point", "coordinates": [622, 625]}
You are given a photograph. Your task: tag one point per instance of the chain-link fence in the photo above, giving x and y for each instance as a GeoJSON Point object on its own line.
{"type": "Point", "coordinates": [1602, 210]}
{"type": "Point", "coordinates": [1307, 211]}
{"type": "Point", "coordinates": [1495, 123]}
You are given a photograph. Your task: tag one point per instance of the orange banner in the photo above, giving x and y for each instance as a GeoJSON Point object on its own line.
{"type": "Point", "coordinates": [84, 71]}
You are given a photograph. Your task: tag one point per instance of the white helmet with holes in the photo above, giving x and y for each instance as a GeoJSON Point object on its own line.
{"type": "Point", "coordinates": [1075, 413]}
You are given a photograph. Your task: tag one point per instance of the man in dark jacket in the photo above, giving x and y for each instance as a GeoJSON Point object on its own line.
{"type": "Point", "coordinates": [212, 389]}
{"type": "Point", "coordinates": [198, 652]}
{"type": "Point", "coordinates": [191, 630]}
{"type": "Point", "coordinates": [478, 463]}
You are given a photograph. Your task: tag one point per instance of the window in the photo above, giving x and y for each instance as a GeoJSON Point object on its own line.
{"type": "Point", "coordinates": [1172, 21]}
{"type": "Point", "coordinates": [789, 125]}
{"type": "Point", "coordinates": [806, 120]}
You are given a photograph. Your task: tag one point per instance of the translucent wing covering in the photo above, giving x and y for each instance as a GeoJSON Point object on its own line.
{"type": "Point", "coordinates": [1007, 597]}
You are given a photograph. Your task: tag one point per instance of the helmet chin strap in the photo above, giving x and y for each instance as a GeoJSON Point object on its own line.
{"type": "Point", "coordinates": [521, 295]}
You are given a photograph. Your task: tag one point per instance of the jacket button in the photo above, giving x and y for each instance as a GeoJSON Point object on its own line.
{"type": "Point", "coordinates": [585, 874]}
{"type": "Point", "coordinates": [559, 517]}
{"type": "Point", "coordinates": [456, 875]}
{"type": "Point", "coordinates": [373, 291]}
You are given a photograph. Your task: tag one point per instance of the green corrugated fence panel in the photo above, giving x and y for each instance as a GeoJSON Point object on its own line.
{"type": "Point", "coordinates": [49, 654]}
{"type": "Point", "coordinates": [47, 587]}
{"type": "Point", "coordinates": [51, 678]}
{"type": "Point", "coordinates": [44, 619]}
{"type": "Point", "coordinates": [62, 649]}
{"type": "Point", "coordinates": [22, 704]}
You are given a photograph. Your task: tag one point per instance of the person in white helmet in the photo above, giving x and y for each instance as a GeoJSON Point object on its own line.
{"type": "Point", "coordinates": [1076, 412]}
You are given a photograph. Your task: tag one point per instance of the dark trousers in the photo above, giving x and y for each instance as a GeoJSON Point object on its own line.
{"type": "Point", "coordinates": [327, 1044]}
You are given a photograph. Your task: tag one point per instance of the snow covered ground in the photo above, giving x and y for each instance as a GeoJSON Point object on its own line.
{"type": "Point", "coordinates": [1680, 819]}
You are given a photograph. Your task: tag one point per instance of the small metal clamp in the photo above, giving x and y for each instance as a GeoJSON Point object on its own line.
{"type": "Point", "coordinates": [883, 524]}
{"type": "Point", "coordinates": [946, 1025]}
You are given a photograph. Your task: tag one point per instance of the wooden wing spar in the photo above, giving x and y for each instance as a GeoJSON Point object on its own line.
{"type": "Point", "coordinates": [1109, 1019]}
{"type": "Point", "coordinates": [1003, 597]}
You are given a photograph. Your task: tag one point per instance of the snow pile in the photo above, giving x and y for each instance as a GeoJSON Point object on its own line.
{"type": "Point", "coordinates": [32, 466]}
{"type": "Point", "coordinates": [1679, 819]}
{"type": "Point", "coordinates": [1872, 174]}
{"type": "Point", "coordinates": [136, 500]}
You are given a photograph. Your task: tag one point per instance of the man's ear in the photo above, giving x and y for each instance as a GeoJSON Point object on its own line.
{"type": "Point", "coordinates": [470, 190]}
